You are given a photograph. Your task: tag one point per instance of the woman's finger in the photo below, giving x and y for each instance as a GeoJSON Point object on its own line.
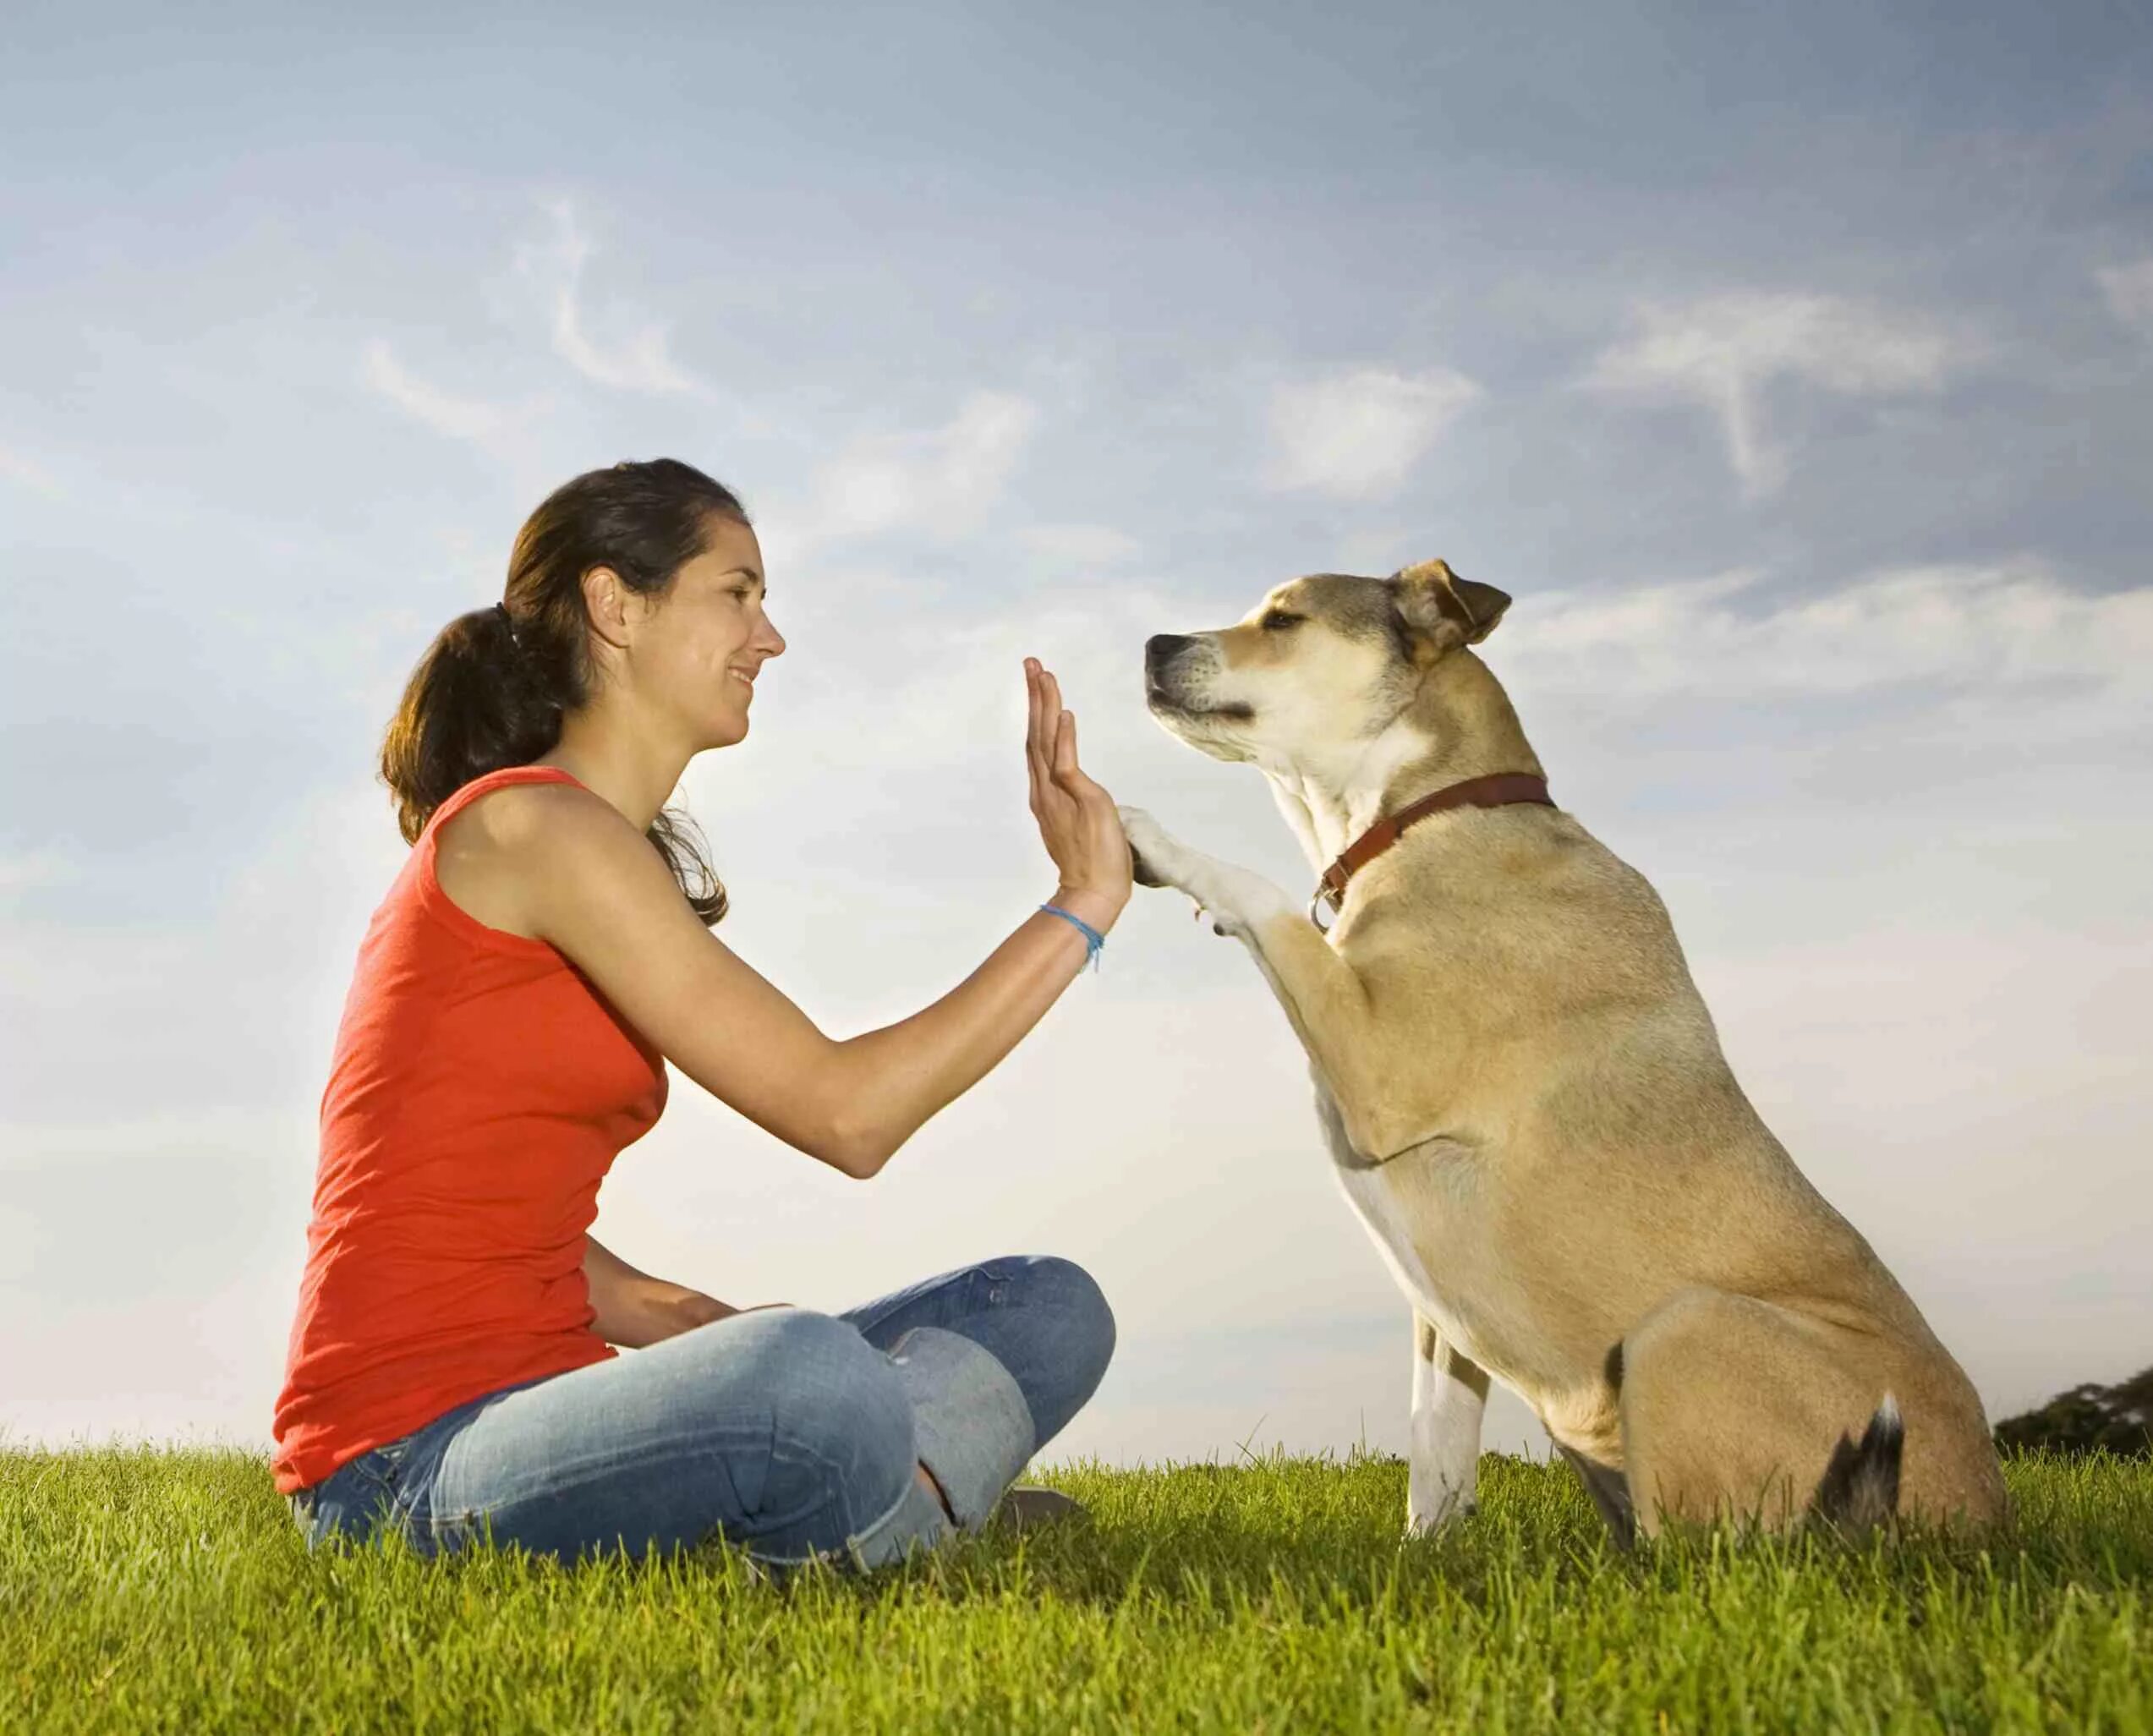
{"type": "Point", "coordinates": [1039, 738]}
{"type": "Point", "coordinates": [1064, 751]}
{"type": "Point", "coordinates": [1049, 725]}
{"type": "Point", "coordinates": [1031, 760]}
{"type": "Point", "coordinates": [1049, 705]}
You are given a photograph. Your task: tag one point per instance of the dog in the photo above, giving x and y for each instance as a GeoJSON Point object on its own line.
{"type": "Point", "coordinates": [1525, 1099]}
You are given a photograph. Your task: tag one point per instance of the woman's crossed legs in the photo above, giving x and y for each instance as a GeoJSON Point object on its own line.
{"type": "Point", "coordinates": [790, 1433]}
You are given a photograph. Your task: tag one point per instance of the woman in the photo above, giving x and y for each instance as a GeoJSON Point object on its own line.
{"type": "Point", "coordinates": [534, 965]}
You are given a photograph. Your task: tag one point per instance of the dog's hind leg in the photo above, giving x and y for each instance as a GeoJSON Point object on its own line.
{"type": "Point", "coordinates": [1450, 1393]}
{"type": "Point", "coordinates": [1731, 1408]}
{"type": "Point", "coordinates": [1610, 1492]}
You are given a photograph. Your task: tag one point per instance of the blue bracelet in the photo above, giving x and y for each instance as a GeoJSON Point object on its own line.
{"type": "Point", "coordinates": [1094, 942]}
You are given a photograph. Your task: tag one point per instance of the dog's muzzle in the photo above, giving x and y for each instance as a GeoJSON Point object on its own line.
{"type": "Point", "coordinates": [1161, 652]}
{"type": "Point", "coordinates": [1169, 659]}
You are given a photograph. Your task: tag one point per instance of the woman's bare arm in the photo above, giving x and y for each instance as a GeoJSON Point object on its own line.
{"type": "Point", "coordinates": [602, 895]}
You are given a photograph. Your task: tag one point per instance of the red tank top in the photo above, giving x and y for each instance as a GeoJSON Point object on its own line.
{"type": "Point", "coordinates": [480, 1089]}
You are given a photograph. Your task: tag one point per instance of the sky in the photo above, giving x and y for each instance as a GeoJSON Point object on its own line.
{"type": "Point", "coordinates": [1789, 367]}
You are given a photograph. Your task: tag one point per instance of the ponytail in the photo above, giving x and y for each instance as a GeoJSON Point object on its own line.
{"type": "Point", "coordinates": [473, 705]}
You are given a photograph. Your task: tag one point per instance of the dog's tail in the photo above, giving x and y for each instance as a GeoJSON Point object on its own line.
{"type": "Point", "coordinates": [1860, 1489]}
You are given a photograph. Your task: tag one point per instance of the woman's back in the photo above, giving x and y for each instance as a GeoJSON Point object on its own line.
{"type": "Point", "coordinates": [480, 1089]}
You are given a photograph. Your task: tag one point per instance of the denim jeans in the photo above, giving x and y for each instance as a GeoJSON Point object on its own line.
{"type": "Point", "coordinates": [788, 1434]}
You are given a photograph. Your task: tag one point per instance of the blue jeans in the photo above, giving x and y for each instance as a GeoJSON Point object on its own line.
{"type": "Point", "coordinates": [790, 1434]}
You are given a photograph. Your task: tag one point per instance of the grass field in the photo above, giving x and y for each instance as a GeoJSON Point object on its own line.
{"type": "Point", "coordinates": [149, 1591]}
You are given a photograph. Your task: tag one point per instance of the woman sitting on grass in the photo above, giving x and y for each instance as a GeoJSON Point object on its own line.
{"type": "Point", "coordinates": [535, 964]}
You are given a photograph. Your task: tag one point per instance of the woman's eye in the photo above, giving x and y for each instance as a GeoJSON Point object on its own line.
{"type": "Point", "coordinates": [1277, 621]}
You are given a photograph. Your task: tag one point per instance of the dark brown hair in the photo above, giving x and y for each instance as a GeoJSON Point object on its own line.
{"type": "Point", "coordinates": [492, 688]}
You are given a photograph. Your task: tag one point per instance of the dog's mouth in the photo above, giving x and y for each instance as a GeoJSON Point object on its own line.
{"type": "Point", "coordinates": [1159, 699]}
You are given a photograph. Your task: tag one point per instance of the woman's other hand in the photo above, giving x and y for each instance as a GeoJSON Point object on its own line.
{"type": "Point", "coordinates": [694, 1309]}
{"type": "Point", "coordinates": [1078, 821]}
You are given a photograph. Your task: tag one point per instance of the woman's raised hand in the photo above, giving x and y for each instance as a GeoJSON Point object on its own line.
{"type": "Point", "coordinates": [1078, 821]}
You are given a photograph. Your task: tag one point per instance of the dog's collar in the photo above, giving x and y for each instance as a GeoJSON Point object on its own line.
{"type": "Point", "coordinates": [1496, 790]}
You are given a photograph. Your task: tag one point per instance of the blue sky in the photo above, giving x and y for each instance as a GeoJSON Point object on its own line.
{"type": "Point", "coordinates": [1790, 368]}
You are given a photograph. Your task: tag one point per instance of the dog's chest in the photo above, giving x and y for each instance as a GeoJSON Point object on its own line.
{"type": "Point", "coordinates": [1370, 1190]}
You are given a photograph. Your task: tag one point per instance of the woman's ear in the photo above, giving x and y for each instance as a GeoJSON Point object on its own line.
{"type": "Point", "coordinates": [1444, 610]}
{"type": "Point", "coordinates": [605, 604]}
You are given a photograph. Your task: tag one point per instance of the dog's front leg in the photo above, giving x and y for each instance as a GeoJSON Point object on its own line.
{"type": "Point", "coordinates": [1450, 1393]}
{"type": "Point", "coordinates": [1322, 998]}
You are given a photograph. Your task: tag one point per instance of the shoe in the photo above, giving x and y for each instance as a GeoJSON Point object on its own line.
{"type": "Point", "coordinates": [1024, 1506]}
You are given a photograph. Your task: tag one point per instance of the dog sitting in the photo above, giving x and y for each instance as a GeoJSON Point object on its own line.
{"type": "Point", "coordinates": [1524, 1098]}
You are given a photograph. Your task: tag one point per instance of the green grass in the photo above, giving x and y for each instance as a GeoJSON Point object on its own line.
{"type": "Point", "coordinates": [148, 1590]}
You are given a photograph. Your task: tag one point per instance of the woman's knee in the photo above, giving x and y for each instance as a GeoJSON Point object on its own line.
{"type": "Point", "coordinates": [839, 1411]}
{"type": "Point", "coordinates": [1073, 1293]}
{"type": "Point", "coordinates": [1062, 1349]}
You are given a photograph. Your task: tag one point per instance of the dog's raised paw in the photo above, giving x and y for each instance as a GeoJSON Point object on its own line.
{"type": "Point", "coordinates": [1141, 830]}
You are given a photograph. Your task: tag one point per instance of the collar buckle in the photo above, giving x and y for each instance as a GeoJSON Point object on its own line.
{"type": "Point", "coordinates": [1330, 891]}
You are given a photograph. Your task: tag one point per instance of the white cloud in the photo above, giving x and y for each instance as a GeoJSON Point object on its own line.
{"type": "Point", "coordinates": [25, 472]}
{"type": "Point", "coordinates": [941, 483]}
{"type": "Point", "coordinates": [1722, 352]}
{"type": "Point", "coordinates": [36, 868]}
{"type": "Point", "coordinates": [1954, 626]}
{"type": "Point", "coordinates": [1358, 435]}
{"type": "Point", "coordinates": [2129, 292]}
{"type": "Point", "coordinates": [472, 419]}
{"type": "Point", "coordinates": [638, 357]}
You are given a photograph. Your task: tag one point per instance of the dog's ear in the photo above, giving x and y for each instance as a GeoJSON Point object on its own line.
{"type": "Point", "coordinates": [1444, 610]}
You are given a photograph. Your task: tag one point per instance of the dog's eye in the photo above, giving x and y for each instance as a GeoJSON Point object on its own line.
{"type": "Point", "coordinates": [1278, 620]}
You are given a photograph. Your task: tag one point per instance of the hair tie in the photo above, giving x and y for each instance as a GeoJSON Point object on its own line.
{"type": "Point", "coordinates": [507, 621]}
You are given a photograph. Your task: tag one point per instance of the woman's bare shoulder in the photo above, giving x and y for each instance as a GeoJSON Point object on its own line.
{"type": "Point", "coordinates": [506, 858]}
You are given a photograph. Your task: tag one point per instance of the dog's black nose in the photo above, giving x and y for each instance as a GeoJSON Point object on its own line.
{"type": "Point", "coordinates": [1161, 648]}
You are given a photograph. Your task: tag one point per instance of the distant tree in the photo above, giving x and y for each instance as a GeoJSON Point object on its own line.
{"type": "Point", "coordinates": [2086, 1419]}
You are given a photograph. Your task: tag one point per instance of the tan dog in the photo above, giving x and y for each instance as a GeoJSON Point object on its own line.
{"type": "Point", "coordinates": [1525, 1100]}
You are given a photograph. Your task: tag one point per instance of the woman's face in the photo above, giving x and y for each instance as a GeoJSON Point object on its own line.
{"type": "Point", "coordinates": [705, 644]}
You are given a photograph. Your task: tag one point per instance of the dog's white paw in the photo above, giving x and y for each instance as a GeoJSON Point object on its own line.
{"type": "Point", "coordinates": [1427, 1514]}
{"type": "Point", "coordinates": [1154, 856]}
{"type": "Point", "coordinates": [1232, 897]}
{"type": "Point", "coordinates": [1432, 1504]}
